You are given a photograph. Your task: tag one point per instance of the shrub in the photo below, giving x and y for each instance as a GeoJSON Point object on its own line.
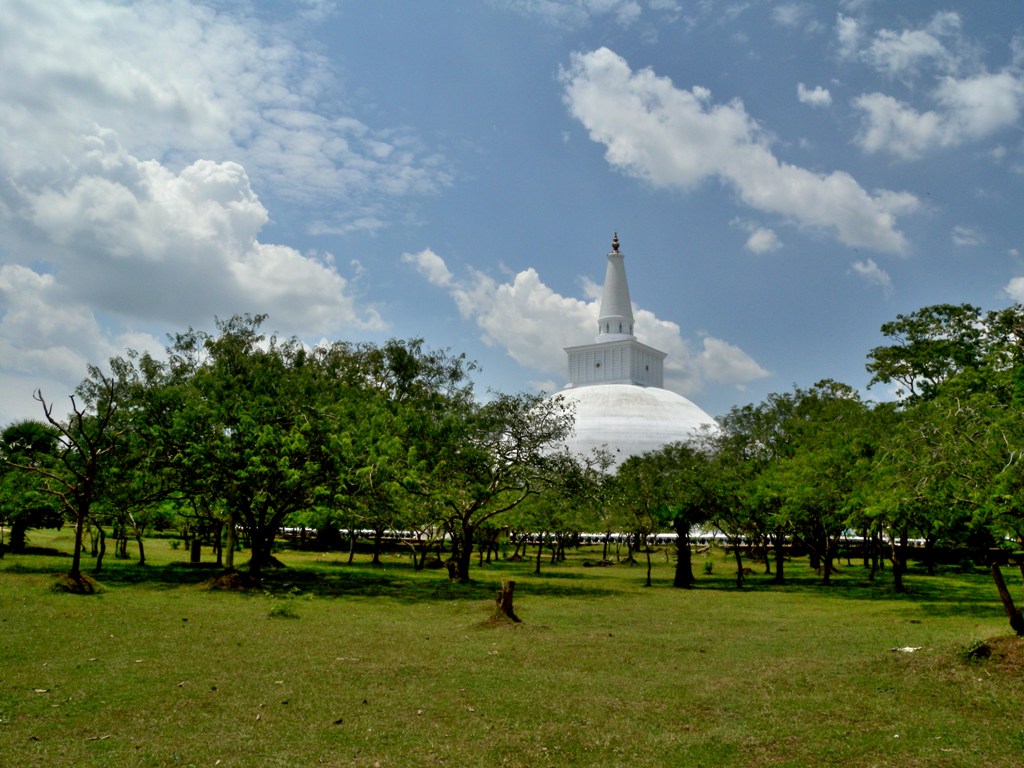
{"type": "Point", "coordinates": [976, 651]}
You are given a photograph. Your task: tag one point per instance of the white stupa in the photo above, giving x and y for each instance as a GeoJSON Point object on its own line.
{"type": "Point", "coordinates": [616, 384]}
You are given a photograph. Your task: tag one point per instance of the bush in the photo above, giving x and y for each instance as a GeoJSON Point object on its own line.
{"type": "Point", "coordinates": [976, 651]}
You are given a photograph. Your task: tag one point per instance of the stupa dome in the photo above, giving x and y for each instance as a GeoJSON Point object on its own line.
{"type": "Point", "coordinates": [616, 384]}
{"type": "Point", "coordinates": [628, 420]}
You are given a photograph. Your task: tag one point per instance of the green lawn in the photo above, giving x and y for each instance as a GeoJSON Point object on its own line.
{"type": "Point", "coordinates": [358, 666]}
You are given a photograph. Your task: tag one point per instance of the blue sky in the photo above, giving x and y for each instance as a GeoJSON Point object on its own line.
{"type": "Point", "coordinates": [784, 177]}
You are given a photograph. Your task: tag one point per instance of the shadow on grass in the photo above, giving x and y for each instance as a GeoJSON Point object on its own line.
{"type": "Point", "coordinates": [413, 586]}
{"type": "Point", "coordinates": [948, 593]}
{"type": "Point", "coordinates": [332, 579]}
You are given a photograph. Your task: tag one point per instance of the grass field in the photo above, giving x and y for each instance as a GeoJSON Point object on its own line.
{"type": "Point", "coordinates": [359, 666]}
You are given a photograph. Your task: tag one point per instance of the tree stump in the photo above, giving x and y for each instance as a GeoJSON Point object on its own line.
{"type": "Point", "coordinates": [503, 602]}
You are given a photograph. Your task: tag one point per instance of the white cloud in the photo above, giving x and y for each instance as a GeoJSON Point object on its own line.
{"type": "Point", "coordinates": [678, 138]}
{"type": "Point", "coordinates": [789, 14]}
{"type": "Point", "coordinates": [969, 109]}
{"type": "Point", "coordinates": [47, 340]}
{"type": "Point", "coordinates": [133, 135]}
{"type": "Point", "coordinates": [967, 104]}
{"type": "Point", "coordinates": [176, 82]}
{"type": "Point", "coordinates": [979, 106]}
{"type": "Point", "coordinates": [430, 265]}
{"type": "Point", "coordinates": [848, 35]}
{"type": "Point", "coordinates": [815, 97]}
{"type": "Point", "coordinates": [902, 54]}
{"type": "Point", "coordinates": [965, 236]}
{"type": "Point", "coordinates": [135, 239]}
{"type": "Point", "coordinates": [893, 127]}
{"type": "Point", "coordinates": [763, 240]}
{"type": "Point", "coordinates": [795, 15]}
{"type": "Point", "coordinates": [534, 324]}
{"type": "Point", "coordinates": [872, 273]}
{"type": "Point", "coordinates": [1015, 289]}
{"type": "Point", "coordinates": [575, 13]}
{"type": "Point", "coordinates": [728, 364]}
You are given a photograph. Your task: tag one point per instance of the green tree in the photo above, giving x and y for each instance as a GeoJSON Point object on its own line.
{"type": "Point", "coordinates": [480, 460]}
{"type": "Point", "coordinates": [246, 428]}
{"type": "Point", "coordinates": [24, 502]}
{"type": "Point", "coordinates": [642, 490]}
{"type": "Point", "coordinates": [694, 492]}
{"type": "Point", "coordinates": [832, 450]}
{"type": "Point", "coordinates": [85, 440]}
{"type": "Point", "coordinates": [931, 345]}
{"type": "Point", "coordinates": [749, 500]}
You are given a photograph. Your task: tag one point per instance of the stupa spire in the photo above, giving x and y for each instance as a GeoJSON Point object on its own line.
{"type": "Point", "coordinates": [616, 318]}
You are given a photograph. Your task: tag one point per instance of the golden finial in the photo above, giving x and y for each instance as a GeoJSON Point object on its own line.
{"type": "Point", "coordinates": [615, 243]}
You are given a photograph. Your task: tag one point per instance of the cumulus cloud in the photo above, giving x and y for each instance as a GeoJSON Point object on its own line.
{"type": "Point", "coordinates": [967, 103]}
{"type": "Point", "coordinates": [177, 81]}
{"type": "Point", "coordinates": [968, 109]}
{"type": "Point", "coordinates": [534, 324]}
{"type": "Point", "coordinates": [870, 272]}
{"type": "Point", "coordinates": [815, 97]}
{"type": "Point", "coordinates": [430, 265]}
{"type": "Point", "coordinates": [134, 136]}
{"type": "Point", "coordinates": [902, 54]}
{"type": "Point", "coordinates": [848, 36]}
{"type": "Point", "coordinates": [674, 137]}
{"type": "Point", "coordinates": [725, 362]}
{"type": "Point", "coordinates": [763, 240]}
{"type": "Point", "coordinates": [1015, 289]}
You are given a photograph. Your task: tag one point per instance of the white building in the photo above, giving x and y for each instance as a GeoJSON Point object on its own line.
{"type": "Point", "coordinates": [616, 384]}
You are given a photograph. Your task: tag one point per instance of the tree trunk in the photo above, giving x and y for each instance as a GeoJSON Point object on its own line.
{"type": "Point", "coordinates": [898, 562]}
{"type": "Point", "coordinates": [76, 557]}
{"type": "Point", "coordinates": [16, 542]}
{"type": "Point", "coordinates": [503, 602]}
{"type": "Point", "coordinates": [904, 544]}
{"type": "Point", "coordinates": [647, 552]}
{"type": "Point", "coordinates": [462, 555]}
{"type": "Point", "coordinates": [142, 550]}
{"type": "Point", "coordinates": [196, 551]}
{"type": "Point", "coordinates": [738, 554]}
{"type": "Point", "coordinates": [684, 561]}
{"type": "Point", "coordinates": [102, 549]}
{"type": "Point", "coordinates": [218, 543]}
{"type": "Point", "coordinates": [1014, 615]}
{"type": "Point", "coordinates": [229, 544]}
{"type": "Point", "coordinates": [256, 559]}
{"type": "Point", "coordinates": [540, 551]}
{"type": "Point", "coordinates": [814, 560]}
{"type": "Point", "coordinates": [780, 559]}
{"type": "Point", "coordinates": [378, 536]}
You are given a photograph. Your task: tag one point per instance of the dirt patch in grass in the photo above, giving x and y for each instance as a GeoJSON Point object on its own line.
{"type": "Point", "coordinates": [1006, 654]}
{"type": "Point", "coordinates": [232, 581]}
{"type": "Point", "coordinates": [76, 585]}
